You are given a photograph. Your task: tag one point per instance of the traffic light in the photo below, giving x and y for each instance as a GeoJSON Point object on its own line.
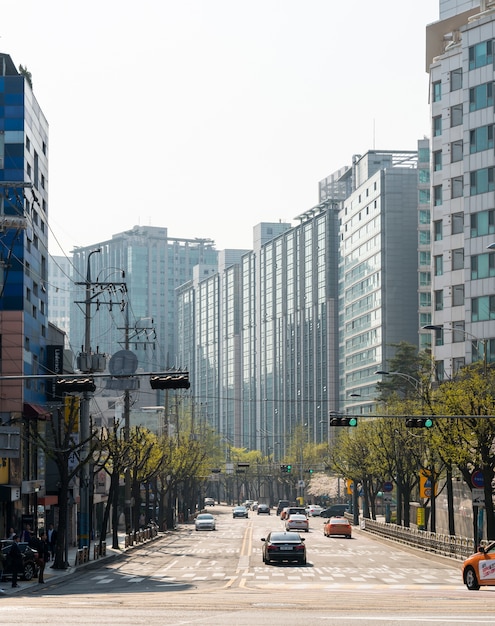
{"type": "Point", "coordinates": [171, 380]}
{"type": "Point", "coordinates": [419, 422]}
{"type": "Point", "coordinates": [78, 385]}
{"type": "Point", "coordinates": [339, 420]}
{"type": "Point", "coordinates": [289, 469]}
{"type": "Point", "coordinates": [286, 469]}
{"type": "Point", "coordinates": [310, 471]}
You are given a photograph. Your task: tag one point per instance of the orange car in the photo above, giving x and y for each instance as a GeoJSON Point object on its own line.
{"type": "Point", "coordinates": [337, 526]}
{"type": "Point", "coordinates": [479, 568]}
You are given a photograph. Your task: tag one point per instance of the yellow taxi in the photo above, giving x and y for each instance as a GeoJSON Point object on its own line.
{"type": "Point", "coordinates": [479, 568]}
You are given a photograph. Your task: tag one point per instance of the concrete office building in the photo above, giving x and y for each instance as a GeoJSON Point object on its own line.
{"type": "Point", "coordinates": [134, 277]}
{"type": "Point", "coordinates": [459, 57]}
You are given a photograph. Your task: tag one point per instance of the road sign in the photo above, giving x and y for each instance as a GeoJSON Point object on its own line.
{"type": "Point", "coordinates": [388, 486]}
{"type": "Point", "coordinates": [387, 497]}
{"type": "Point", "coordinates": [477, 479]}
{"type": "Point", "coordinates": [301, 484]}
{"type": "Point", "coordinates": [478, 497]}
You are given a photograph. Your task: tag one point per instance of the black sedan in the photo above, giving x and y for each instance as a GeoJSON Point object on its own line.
{"type": "Point", "coordinates": [29, 557]}
{"type": "Point", "coordinates": [240, 511]}
{"type": "Point", "coordinates": [263, 508]}
{"type": "Point", "coordinates": [284, 546]}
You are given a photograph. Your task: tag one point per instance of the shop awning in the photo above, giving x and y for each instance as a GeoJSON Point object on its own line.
{"type": "Point", "coordinates": [36, 411]}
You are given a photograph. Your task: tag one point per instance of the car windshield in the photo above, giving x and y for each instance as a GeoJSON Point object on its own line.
{"type": "Point", "coordinates": [205, 516]}
{"type": "Point", "coordinates": [284, 537]}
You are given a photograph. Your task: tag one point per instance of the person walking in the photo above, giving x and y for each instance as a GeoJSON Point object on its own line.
{"type": "Point", "coordinates": [16, 561]}
{"type": "Point", "coordinates": [52, 540]}
{"type": "Point", "coordinates": [41, 546]}
{"type": "Point", "coordinates": [2, 564]}
{"type": "Point", "coordinates": [26, 534]}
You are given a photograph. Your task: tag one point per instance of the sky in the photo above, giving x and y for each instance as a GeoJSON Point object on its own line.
{"type": "Point", "coordinates": [208, 117]}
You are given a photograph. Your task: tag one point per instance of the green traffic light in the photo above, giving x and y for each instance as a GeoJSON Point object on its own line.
{"type": "Point", "coordinates": [289, 467]}
{"type": "Point", "coordinates": [353, 421]}
{"type": "Point", "coordinates": [428, 423]}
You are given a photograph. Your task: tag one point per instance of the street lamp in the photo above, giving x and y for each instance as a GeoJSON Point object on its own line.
{"type": "Point", "coordinates": [410, 379]}
{"type": "Point", "coordinates": [483, 342]}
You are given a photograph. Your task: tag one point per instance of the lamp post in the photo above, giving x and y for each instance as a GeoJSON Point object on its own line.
{"type": "Point", "coordinates": [483, 342]}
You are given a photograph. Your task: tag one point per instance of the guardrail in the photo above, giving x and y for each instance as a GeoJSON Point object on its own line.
{"type": "Point", "coordinates": [133, 538]}
{"type": "Point", "coordinates": [446, 545]}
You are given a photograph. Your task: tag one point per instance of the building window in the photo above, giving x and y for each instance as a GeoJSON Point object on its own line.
{"type": "Point", "coordinates": [458, 332]}
{"type": "Point", "coordinates": [481, 54]}
{"type": "Point", "coordinates": [457, 295]}
{"type": "Point", "coordinates": [482, 181]}
{"type": "Point", "coordinates": [481, 139]}
{"type": "Point", "coordinates": [483, 223]}
{"type": "Point", "coordinates": [438, 230]}
{"type": "Point", "coordinates": [437, 195]}
{"type": "Point", "coordinates": [481, 97]}
{"type": "Point", "coordinates": [437, 126]}
{"type": "Point", "coordinates": [457, 223]}
{"type": "Point", "coordinates": [458, 259]}
{"type": "Point", "coordinates": [482, 266]}
{"type": "Point", "coordinates": [439, 370]}
{"type": "Point", "coordinates": [425, 279]}
{"type": "Point", "coordinates": [456, 149]}
{"type": "Point", "coordinates": [424, 155]}
{"type": "Point", "coordinates": [456, 187]}
{"type": "Point", "coordinates": [439, 300]}
{"type": "Point", "coordinates": [424, 216]}
{"type": "Point", "coordinates": [424, 196]}
{"type": "Point", "coordinates": [456, 79]}
{"type": "Point", "coordinates": [424, 319]}
{"type": "Point", "coordinates": [424, 237]}
{"type": "Point", "coordinates": [437, 161]}
{"type": "Point", "coordinates": [483, 309]}
{"type": "Point", "coordinates": [424, 298]}
{"type": "Point", "coordinates": [458, 363]}
{"type": "Point", "coordinates": [438, 260]}
{"type": "Point", "coordinates": [456, 115]}
{"type": "Point", "coordinates": [437, 91]}
{"type": "Point", "coordinates": [424, 257]}
{"type": "Point", "coordinates": [424, 176]}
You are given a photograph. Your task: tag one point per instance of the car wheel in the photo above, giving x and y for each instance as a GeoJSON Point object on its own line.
{"type": "Point", "coordinates": [470, 580]}
{"type": "Point", "coordinates": [28, 571]}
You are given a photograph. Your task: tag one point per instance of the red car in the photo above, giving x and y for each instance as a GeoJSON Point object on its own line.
{"type": "Point", "coordinates": [337, 526]}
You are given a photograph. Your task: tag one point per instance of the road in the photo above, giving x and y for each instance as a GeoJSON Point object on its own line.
{"type": "Point", "coordinates": [219, 578]}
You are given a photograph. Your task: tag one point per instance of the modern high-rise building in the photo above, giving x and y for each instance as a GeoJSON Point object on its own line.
{"type": "Point", "coordinates": [460, 60]}
{"type": "Point", "coordinates": [24, 329]}
{"type": "Point", "coordinates": [61, 292]}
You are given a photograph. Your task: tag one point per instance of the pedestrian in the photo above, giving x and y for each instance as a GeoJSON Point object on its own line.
{"type": "Point", "coordinates": [26, 534]}
{"type": "Point", "coordinates": [15, 557]}
{"type": "Point", "coordinates": [51, 537]}
{"type": "Point", "coordinates": [41, 546]}
{"type": "Point", "coordinates": [2, 563]}
{"type": "Point", "coordinates": [11, 533]}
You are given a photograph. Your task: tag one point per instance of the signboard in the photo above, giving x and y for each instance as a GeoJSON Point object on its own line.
{"type": "Point", "coordinates": [477, 479]}
{"type": "Point", "coordinates": [478, 497]}
{"type": "Point", "coordinates": [301, 484]}
{"type": "Point", "coordinates": [425, 484]}
{"type": "Point", "coordinates": [388, 486]}
{"type": "Point", "coordinates": [350, 486]}
{"type": "Point", "coordinates": [420, 517]}
{"type": "Point", "coordinates": [387, 498]}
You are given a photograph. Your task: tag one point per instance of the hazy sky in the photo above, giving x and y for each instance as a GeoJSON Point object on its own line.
{"type": "Point", "coordinates": [210, 116]}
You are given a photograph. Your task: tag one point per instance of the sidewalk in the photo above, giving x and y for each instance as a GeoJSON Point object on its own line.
{"type": "Point", "coordinates": [51, 575]}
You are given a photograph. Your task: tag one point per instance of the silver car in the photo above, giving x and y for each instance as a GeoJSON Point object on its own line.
{"type": "Point", "coordinates": [205, 521]}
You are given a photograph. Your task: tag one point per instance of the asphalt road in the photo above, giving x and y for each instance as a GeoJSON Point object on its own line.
{"type": "Point", "coordinates": [219, 578]}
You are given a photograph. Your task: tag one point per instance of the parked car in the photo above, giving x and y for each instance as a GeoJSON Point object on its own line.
{"type": "Point", "coordinates": [263, 508]}
{"type": "Point", "coordinates": [29, 557]}
{"type": "Point", "coordinates": [335, 510]}
{"type": "Point", "coordinates": [240, 511]}
{"type": "Point", "coordinates": [479, 569]}
{"type": "Point", "coordinates": [337, 526]}
{"type": "Point", "coordinates": [283, 546]}
{"type": "Point", "coordinates": [205, 521]}
{"type": "Point", "coordinates": [209, 502]}
{"type": "Point", "coordinates": [281, 505]}
{"type": "Point", "coordinates": [297, 522]}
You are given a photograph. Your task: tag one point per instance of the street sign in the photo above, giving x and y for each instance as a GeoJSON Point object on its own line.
{"type": "Point", "coordinates": [478, 497]}
{"type": "Point", "coordinates": [477, 479]}
{"type": "Point", "coordinates": [301, 484]}
{"type": "Point", "coordinates": [387, 497]}
{"type": "Point", "coordinates": [388, 486]}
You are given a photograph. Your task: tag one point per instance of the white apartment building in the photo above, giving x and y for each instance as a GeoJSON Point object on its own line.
{"type": "Point", "coordinates": [460, 60]}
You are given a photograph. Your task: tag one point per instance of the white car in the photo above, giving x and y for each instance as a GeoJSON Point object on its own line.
{"type": "Point", "coordinates": [205, 521]}
{"type": "Point", "coordinates": [314, 510]}
{"type": "Point", "coordinates": [297, 522]}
